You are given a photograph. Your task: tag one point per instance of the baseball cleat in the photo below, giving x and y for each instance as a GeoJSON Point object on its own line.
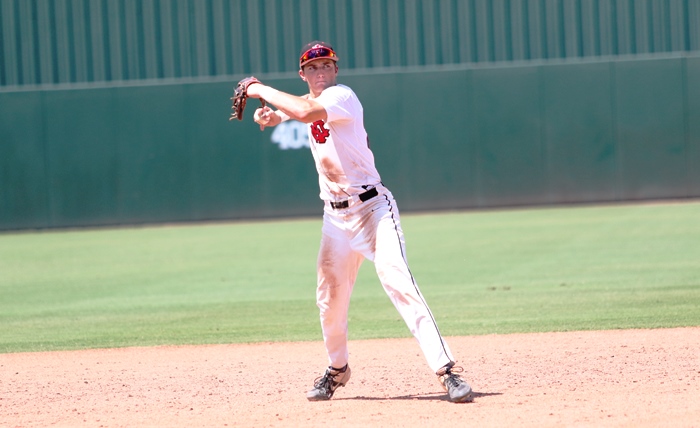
{"type": "Point", "coordinates": [325, 386]}
{"type": "Point", "coordinates": [458, 390]}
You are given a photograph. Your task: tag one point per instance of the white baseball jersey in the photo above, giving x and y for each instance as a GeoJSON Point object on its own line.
{"type": "Point", "coordinates": [340, 146]}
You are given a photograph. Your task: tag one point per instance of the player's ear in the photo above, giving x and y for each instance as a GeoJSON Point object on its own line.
{"type": "Point", "coordinates": [301, 74]}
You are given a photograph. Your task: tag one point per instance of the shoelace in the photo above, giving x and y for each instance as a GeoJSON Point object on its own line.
{"type": "Point", "coordinates": [452, 377]}
{"type": "Point", "coordinates": [326, 381]}
{"type": "Point", "coordinates": [323, 382]}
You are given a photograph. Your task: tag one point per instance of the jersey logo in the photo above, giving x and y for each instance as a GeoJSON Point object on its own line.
{"type": "Point", "coordinates": [320, 132]}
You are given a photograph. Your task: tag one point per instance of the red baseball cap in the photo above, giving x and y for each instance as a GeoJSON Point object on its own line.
{"type": "Point", "coordinates": [316, 50]}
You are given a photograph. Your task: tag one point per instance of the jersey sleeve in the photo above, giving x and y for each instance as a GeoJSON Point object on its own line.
{"type": "Point", "coordinates": [337, 100]}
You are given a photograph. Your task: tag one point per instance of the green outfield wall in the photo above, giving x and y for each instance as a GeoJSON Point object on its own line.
{"type": "Point", "coordinates": [444, 138]}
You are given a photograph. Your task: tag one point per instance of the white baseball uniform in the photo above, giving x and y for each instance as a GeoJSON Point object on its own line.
{"type": "Point", "coordinates": [361, 220]}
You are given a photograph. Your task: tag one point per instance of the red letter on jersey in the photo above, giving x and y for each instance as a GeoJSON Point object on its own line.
{"type": "Point", "coordinates": [319, 131]}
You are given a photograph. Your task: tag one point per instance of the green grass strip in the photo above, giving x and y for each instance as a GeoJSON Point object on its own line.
{"type": "Point", "coordinates": [528, 270]}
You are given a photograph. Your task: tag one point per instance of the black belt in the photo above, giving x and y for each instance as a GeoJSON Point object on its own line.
{"type": "Point", "coordinates": [371, 193]}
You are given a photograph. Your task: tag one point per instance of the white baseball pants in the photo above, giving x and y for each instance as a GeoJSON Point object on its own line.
{"type": "Point", "coordinates": [371, 230]}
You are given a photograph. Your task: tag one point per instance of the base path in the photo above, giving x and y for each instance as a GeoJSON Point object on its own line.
{"type": "Point", "coordinates": [624, 378]}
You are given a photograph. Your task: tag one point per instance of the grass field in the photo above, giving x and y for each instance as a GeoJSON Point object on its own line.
{"type": "Point", "coordinates": [528, 270]}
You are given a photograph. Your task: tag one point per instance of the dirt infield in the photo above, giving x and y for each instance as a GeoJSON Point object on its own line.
{"type": "Point", "coordinates": [646, 378]}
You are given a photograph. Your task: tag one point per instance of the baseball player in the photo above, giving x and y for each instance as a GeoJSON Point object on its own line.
{"type": "Point", "coordinates": [360, 220]}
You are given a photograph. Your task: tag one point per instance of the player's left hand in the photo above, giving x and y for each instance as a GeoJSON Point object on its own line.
{"type": "Point", "coordinates": [241, 93]}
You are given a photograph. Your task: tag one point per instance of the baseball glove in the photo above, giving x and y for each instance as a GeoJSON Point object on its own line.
{"type": "Point", "coordinates": [240, 96]}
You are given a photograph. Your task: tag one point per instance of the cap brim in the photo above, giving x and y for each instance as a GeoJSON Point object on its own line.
{"type": "Point", "coordinates": [332, 58]}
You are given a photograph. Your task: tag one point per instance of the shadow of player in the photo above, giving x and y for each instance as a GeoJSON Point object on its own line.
{"type": "Point", "coordinates": [427, 396]}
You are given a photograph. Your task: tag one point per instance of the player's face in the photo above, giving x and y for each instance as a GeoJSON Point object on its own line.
{"type": "Point", "coordinates": [319, 74]}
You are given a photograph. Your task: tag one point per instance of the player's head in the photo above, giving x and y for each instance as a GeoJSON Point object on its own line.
{"type": "Point", "coordinates": [314, 51]}
{"type": "Point", "coordinates": [318, 66]}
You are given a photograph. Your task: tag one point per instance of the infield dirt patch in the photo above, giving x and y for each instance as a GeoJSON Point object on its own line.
{"type": "Point", "coordinates": [640, 378]}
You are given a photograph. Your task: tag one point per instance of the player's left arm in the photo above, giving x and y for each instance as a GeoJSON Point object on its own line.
{"type": "Point", "coordinates": [303, 109]}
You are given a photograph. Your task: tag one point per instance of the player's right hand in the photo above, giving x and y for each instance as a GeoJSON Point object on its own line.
{"type": "Point", "coordinates": [263, 116]}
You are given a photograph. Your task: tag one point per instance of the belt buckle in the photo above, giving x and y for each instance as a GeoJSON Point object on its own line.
{"type": "Point", "coordinates": [339, 205]}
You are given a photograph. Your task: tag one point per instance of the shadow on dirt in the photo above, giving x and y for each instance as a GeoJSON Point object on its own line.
{"type": "Point", "coordinates": [430, 397]}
